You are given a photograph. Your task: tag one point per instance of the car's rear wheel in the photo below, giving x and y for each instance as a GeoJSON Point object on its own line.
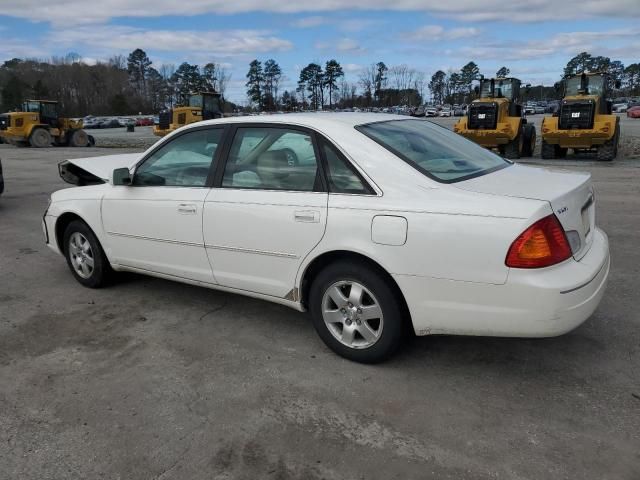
{"type": "Point", "coordinates": [356, 312]}
{"type": "Point", "coordinates": [85, 256]}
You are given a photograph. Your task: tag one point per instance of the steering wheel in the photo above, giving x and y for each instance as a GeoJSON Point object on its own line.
{"type": "Point", "coordinates": [292, 157]}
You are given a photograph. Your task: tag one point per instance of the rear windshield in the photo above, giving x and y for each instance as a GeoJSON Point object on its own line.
{"type": "Point", "coordinates": [433, 150]}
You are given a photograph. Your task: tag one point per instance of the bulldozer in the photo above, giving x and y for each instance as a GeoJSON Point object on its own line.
{"type": "Point", "coordinates": [40, 124]}
{"type": "Point", "coordinates": [584, 121]}
{"type": "Point", "coordinates": [193, 107]}
{"type": "Point", "coordinates": [496, 119]}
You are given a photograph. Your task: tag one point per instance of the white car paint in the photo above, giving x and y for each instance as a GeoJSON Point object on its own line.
{"type": "Point", "coordinates": [443, 244]}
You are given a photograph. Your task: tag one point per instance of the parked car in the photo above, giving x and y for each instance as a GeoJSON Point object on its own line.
{"type": "Point", "coordinates": [418, 112]}
{"type": "Point", "coordinates": [619, 107]}
{"type": "Point", "coordinates": [633, 112]}
{"type": "Point", "coordinates": [373, 223]}
{"type": "Point", "coordinates": [529, 109]}
{"type": "Point", "coordinates": [431, 112]}
{"type": "Point", "coordinates": [144, 121]}
{"type": "Point", "coordinates": [538, 109]}
{"type": "Point", "coordinates": [446, 112]}
{"type": "Point", "coordinates": [110, 123]}
{"type": "Point", "coordinates": [92, 122]}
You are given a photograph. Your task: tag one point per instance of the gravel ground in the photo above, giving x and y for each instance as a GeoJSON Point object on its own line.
{"type": "Point", "coordinates": [154, 379]}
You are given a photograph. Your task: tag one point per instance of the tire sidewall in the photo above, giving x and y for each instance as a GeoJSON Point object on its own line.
{"type": "Point", "coordinates": [100, 264]}
{"type": "Point", "coordinates": [45, 136]}
{"type": "Point", "coordinates": [393, 327]}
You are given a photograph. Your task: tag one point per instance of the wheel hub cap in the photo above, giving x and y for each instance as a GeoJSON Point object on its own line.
{"type": "Point", "coordinates": [352, 314]}
{"type": "Point", "coordinates": [81, 255]}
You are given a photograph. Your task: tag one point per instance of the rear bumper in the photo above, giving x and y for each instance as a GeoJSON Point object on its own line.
{"type": "Point", "coordinates": [532, 303]}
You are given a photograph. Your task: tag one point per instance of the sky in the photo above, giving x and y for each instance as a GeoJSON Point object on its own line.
{"type": "Point", "coordinates": [533, 38]}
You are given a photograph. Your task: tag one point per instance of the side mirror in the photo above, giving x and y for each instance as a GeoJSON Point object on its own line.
{"type": "Point", "coordinates": [121, 176]}
{"type": "Point", "coordinates": [476, 90]}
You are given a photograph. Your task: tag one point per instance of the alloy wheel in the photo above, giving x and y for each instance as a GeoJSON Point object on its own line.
{"type": "Point", "coordinates": [352, 314]}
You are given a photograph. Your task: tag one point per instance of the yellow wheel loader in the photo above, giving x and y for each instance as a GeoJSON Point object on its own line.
{"type": "Point", "coordinates": [193, 108]}
{"type": "Point", "coordinates": [39, 125]}
{"type": "Point", "coordinates": [584, 121]}
{"type": "Point", "coordinates": [496, 119]}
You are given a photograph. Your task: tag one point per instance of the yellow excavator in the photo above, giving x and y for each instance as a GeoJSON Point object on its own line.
{"type": "Point", "coordinates": [496, 119]}
{"type": "Point", "coordinates": [193, 108]}
{"type": "Point", "coordinates": [584, 121]}
{"type": "Point", "coordinates": [39, 125]}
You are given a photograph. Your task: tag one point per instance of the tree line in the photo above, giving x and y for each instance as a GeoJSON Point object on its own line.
{"type": "Point", "coordinates": [120, 86]}
{"type": "Point", "coordinates": [130, 84]}
{"type": "Point", "coordinates": [319, 86]}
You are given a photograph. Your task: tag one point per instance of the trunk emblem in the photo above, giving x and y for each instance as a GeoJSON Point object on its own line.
{"type": "Point", "coordinates": [562, 210]}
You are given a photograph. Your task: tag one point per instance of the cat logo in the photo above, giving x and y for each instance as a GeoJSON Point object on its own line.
{"type": "Point", "coordinates": [575, 114]}
{"type": "Point", "coordinates": [482, 116]}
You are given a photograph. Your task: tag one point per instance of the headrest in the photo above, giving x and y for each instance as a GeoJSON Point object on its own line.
{"type": "Point", "coordinates": [273, 163]}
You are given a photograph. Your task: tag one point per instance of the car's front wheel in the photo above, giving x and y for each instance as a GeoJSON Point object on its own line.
{"type": "Point", "coordinates": [356, 312]}
{"type": "Point", "coordinates": [85, 256]}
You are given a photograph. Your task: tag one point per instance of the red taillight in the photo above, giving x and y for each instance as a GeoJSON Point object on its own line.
{"type": "Point", "coordinates": [542, 244]}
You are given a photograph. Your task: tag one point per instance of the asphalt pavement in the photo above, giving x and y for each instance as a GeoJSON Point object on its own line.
{"type": "Point", "coordinates": [154, 379]}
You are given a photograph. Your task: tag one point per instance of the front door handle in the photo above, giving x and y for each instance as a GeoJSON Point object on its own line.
{"type": "Point", "coordinates": [307, 216]}
{"type": "Point", "coordinates": [187, 208]}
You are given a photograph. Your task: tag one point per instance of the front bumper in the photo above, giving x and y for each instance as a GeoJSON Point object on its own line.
{"type": "Point", "coordinates": [48, 230]}
{"type": "Point", "coordinates": [532, 303]}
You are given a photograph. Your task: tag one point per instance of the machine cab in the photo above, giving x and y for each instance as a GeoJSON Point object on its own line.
{"type": "Point", "coordinates": [508, 88]}
{"type": "Point", "coordinates": [208, 102]}
{"type": "Point", "coordinates": [48, 110]}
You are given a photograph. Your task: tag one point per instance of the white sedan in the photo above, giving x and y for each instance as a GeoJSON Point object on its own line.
{"type": "Point", "coordinates": [378, 225]}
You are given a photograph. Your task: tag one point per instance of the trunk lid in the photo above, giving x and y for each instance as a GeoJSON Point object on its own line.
{"type": "Point", "coordinates": [94, 170]}
{"type": "Point", "coordinates": [570, 195]}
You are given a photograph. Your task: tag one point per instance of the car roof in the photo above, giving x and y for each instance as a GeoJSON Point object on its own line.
{"type": "Point", "coordinates": [320, 120]}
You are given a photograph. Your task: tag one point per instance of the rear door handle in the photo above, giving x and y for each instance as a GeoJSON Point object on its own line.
{"type": "Point", "coordinates": [187, 208]}
{"type": "Point", "coordinates": [307, 216]}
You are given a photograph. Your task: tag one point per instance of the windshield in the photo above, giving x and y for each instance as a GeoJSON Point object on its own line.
{"type": "Point", "coordinates": [594, 85]}
{"type": "Point", "coordinates": [195, 101]}
{"type": "Point", "coordinates": [33, 107]}
{"type": "Point", "coordinates": [502, 89]}
{"type": "Point", "coordinates": [433, 150]}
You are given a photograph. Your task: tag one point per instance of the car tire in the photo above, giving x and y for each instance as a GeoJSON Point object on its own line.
{"type": "Point", "coordinates": [85, 256]}
{"type": "Point", "coordinates": [356, 312]}
{"type": "Point", "coordinates": [40, 138]}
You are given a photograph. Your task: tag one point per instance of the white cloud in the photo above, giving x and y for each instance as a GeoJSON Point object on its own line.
{"type": "Point", "coordinates": [17, 49]}
{"type": "Point", "coordinates": [564, 43]}
{"type": "Point", "coordinates": [352, 67]}
{"type": "Point", "coordinates": [309, 22]}
{"type": "Point", "coordinates": [215, 43]}
{"type": "Point", "coordinates": [438, 32]}
{"type": "Point", "coordinates": [344, 45]}
{"type": "Point", "coordinates": [466, 10]}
